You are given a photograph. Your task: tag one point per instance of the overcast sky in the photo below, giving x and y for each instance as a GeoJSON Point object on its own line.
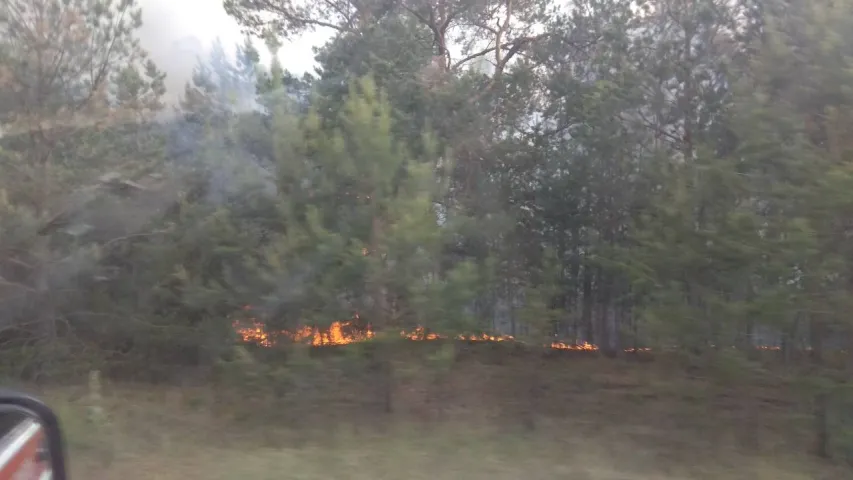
{"type": "Point", "coordinates": [168, 24]}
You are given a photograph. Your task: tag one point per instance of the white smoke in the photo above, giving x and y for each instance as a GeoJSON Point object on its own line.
{"type": "Point", "coordinates": [177, 33]}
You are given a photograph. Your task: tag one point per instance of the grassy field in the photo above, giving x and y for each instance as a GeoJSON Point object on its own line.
{"type": "Point", "coordinates": [620, 421]}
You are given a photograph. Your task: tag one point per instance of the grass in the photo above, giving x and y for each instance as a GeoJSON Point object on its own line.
{"type": "Point", "coordinates": [154, 441]}
{"type": "Point", "coordinates": [617, 422]}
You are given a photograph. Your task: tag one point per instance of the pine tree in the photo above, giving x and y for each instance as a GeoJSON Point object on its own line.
{"type": "Point", "coordinates": [78, 97]}
{"type": "Point", "coordinates": [361, 233]}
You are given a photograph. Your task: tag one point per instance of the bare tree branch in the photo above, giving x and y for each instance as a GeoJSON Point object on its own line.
{"type": "Point", "coordinates": [512, 48]}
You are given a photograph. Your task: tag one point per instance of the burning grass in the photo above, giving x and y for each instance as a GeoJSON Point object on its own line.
{"type": "Point", "coordinates": [254, 331]}
{"type": "Point", "coordinates": [349, 332]}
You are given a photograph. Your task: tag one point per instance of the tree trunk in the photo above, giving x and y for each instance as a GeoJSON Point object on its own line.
{"type": "Point", "coordinates": [817, 332]}
{"type": "Point", "coordinates": [380, 316]}
{"type": "Point", "coordinates": [605, 320]}
{"type": "Point", "coordinates": [821, 425]}
{"type": "Point", "coordinates": [821, 400]}
{"type": "Point", "coordinates": [849, 356]}
{"type": "Point", "coordinates": [586, 314]}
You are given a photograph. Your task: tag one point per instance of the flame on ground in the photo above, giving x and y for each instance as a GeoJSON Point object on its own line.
{"type": "Point", "coordinates": [420, 334]}
{"type": "Point", "coordinates": [339, 333]}
{"type": "Point", "coordinates": [344, 333]}
{"type": "Point", "coordinates": [585, 346]}
{"type": "Point", "coordinates": [256, 333]}
{"type": "Point", "coordinates": [347, 332]}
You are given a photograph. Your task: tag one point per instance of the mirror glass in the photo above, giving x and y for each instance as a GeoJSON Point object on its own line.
{"type": "Point", "coordinates": [24, 452]}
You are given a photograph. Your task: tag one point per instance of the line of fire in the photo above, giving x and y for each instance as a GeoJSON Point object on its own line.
{"type": "Point", "coordinates": [348, 332]}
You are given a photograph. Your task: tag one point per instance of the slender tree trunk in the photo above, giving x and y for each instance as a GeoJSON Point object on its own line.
{"type": "Point", "coordinates": [605, 320]}
{"type": "Point", "coordinates": [821, 425]}
{"type": "Point", "coordinates": [381, 318]}
{"type": "Point", "coordinates": [509, 298]}
{"type": "Point", "coordinates": [817, 332]}
{"type": "Point", "coordinates": [46, 316]}
{"type": "Point", "coordinates": [849, 356]}
{"type": "Point", "coordinates": [586, 314]}
{"type": "Point", "coordinates": [574, 281]}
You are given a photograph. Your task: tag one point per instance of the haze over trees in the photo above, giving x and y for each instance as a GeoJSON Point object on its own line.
{"type": "Point", "coordinates": [672, 175]}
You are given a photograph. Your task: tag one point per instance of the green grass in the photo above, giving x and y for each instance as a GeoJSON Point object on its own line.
{"type": "Point", "coordinates": [172, 433]}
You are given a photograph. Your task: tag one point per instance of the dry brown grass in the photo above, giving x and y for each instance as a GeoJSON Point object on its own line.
{"type": "Point", "coordinates": [155, 436]}
{"type": "Point", "coordinates": [619, 423]}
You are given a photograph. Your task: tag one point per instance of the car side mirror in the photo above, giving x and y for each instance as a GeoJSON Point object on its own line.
{"type": "Point", "coordinates": [31, 444]}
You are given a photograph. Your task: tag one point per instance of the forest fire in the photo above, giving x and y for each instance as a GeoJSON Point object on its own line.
{"type": "Point", "coordinates": [344, 333]}
{"type": "Point", "coordinates": [587, 347]}
{"type": "Point", "coordinates": [420, 334]}
{"type": "Point", "coordinates": [348, 332]}
{"type": "Point", "coordinates": [339, 333]}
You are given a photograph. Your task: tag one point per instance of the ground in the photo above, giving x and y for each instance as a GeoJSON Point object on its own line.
{"type": "Point", "coordinates": [617, 422]}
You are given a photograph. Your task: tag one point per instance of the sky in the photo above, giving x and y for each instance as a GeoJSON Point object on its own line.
{"type": "Point", "coordinates": [170, 25]}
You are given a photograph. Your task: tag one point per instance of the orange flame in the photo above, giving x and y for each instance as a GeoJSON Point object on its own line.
{"type": "Point", "coordinates": [347, 332]}
{"type": "Point", "coordinates": [338, 333]}
{"type": "Point", "coordinates": [420, 333]}
{"type": "Point", "coordinates": [256, 333]}
{"type": "Point", "coordinates": [484, 337]}
{"type": "Point", "coordinates": [568, 346]}
{"type": "Point", "coordinates": [344, 333]}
